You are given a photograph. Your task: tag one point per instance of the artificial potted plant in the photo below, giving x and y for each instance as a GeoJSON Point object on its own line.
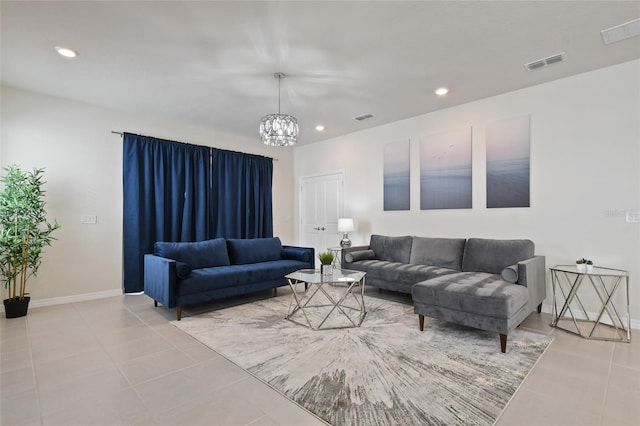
{"type": "Point", "coordinates": [589, 266]}
{"type": "Point", "coordinates": [24, 232]}
{"type": "Point", "coordinates": [326, 263]}
{"type": "Point", "coordinates": [584, 264]}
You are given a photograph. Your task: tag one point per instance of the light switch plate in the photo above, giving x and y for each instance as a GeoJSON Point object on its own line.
{"type": "Point", "coordinates": [89, 219]}
{"type": "Point", "coordinates": [633, 216]}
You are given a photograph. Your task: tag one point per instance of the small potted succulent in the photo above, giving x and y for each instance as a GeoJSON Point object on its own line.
{"type": "Point", "coordinates": [584, 265]}
{"type": "Point", "coordinates": [589, 264]}
{"type": "Point", "coordinates": [326, 263]}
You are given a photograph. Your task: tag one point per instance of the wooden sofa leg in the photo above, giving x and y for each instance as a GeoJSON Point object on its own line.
{"type": "Point", "coordinates": [155, 303]}
{"type": "Point", "coordinates": [421, 321]}
{"type": "Point", "coordinates": [503, 343]}
{"type": "Point", "coordinates": [179, 313]}
{"type": "Point", "coordinates": [540, 307]}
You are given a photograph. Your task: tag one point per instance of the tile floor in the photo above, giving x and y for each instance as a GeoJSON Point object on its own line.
{"type": "Point", "coordinates": [118, 361]}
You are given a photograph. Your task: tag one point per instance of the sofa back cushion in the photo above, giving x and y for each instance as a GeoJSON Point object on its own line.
{"type": "Point", "coordinates": [254, 250]}
{"type": "Point", "coordinates": [492, 256]}
{"type": "Point", "coordinates": [391, 249]}
{"type": "Point", "coordinates": [201, 254]}
{"type": "Point", "coordinates": [441, 252]}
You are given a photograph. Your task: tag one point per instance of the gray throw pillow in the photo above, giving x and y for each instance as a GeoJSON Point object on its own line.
{"type": "Point", "coordinates": [510, 274]}
{"type": "Point", "coordinates": [354, 256]}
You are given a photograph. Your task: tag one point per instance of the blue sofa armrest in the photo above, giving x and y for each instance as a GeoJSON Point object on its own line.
{"type": "Point", "coordinates": [303, 254]}
{"type": "Point", "coordinates": [160, 279]}
{"type": "Point", "coordinates": [532, 274]}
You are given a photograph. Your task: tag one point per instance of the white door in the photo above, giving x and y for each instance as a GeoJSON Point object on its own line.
{"type": "Point", "coordinates": [320, 207]}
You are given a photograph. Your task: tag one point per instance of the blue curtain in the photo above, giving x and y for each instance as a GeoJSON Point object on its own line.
{"type": "Point", "coordinates": [181, 192]}
{"type": "Point", "coordinates": [241, 196]}
{"type": "Point", "coordinates": [166, 198]}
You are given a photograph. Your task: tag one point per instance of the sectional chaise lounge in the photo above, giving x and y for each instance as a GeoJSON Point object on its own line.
{"type": "Point", "coordinates": [487, 284]}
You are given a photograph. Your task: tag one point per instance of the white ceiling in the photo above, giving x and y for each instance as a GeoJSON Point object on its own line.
{"type": "Point", "coordinates": [211, 64]}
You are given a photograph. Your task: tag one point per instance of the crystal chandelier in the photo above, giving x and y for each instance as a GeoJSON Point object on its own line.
{"type": "Point", "coordinates": [279, 129]}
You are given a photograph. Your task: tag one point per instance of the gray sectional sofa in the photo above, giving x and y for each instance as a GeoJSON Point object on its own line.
{"type": "Point", "coordinates": [487, 284]}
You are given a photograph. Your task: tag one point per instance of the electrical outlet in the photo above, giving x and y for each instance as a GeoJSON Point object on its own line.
{"type": "Point", "coordinates": [89, 219]}
{"type": "Point", "coordinates": [633, 216]}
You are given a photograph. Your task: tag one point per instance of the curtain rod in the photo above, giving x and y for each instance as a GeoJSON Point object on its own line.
{"type": "Point", "coordinates": [122, 134]}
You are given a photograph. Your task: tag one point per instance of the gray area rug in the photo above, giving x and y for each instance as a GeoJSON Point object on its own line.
{"type": "Point", "coordinates": [385, 372]}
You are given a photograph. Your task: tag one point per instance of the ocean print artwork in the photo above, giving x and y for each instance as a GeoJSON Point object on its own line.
{"type": "Point", "coordinates": [508, 144]}
{"type": "Point", "coordinates": [396, 166]}
{"type": "Point", "coordinates": [445, 170]}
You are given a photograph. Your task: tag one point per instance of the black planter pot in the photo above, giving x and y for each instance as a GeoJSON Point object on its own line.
{"type": "Point", "coordinates": [16, 308]}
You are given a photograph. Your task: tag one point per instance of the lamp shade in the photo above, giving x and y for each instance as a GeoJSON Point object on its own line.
{"type": "Point", "coordinates": [345, 224]}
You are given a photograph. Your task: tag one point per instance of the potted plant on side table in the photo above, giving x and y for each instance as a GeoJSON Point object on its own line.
{"type": "Point", "coordinates": [584, 265]}
{"type": "Point", "coordinates": [24, 232]}
{"type": "Point", "coordinates": [326, 263]}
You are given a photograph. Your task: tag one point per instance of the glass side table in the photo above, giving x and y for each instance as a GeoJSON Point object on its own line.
{"type": "Point", "coordinates": [568, 286]}
{"type": "Point", "coordinates": [337, 253]}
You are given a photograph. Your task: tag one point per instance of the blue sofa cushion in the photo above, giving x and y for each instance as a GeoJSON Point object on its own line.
{"type": "Point", "coordinates": [254, 250]}
{"type": "Point", "coordinates": [295, 253]}
{"type": "Point", "coordinates": [492, 256]}
{"type": "Point", "coordinates": [208, 279]}
{"type": "Point", "coordinates": [441, 252]}
{"type": "Point", "coordinates": [201, 254]}
{"type": "Point", "coordinates": [391, 249]}
{"type": "Point", "coordinates": [182, 270]}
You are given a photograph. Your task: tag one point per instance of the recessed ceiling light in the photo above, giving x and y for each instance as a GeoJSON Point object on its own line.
{"type": "Point", "coordinates": [319, 127]}
{"type": "Point", "coordinates": [66, 52]}
{"type": "Point", "coordinates": [441, 91]}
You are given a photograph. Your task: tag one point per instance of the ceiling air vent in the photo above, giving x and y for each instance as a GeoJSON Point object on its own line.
{"type": "Point", "coordinates": [537, 64]}
{"type": "Point", "coordinates": [621, 32]}
{"type": "Point", "coordinates": [553, 59]}
{"type": "Point", "coordinates": [363, 117]}
{"type": "Point", "coordinates": [549, 60]}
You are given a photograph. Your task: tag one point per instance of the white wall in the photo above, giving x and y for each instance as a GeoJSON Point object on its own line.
{"type": "Point", "coordinates": [585, 172]}
{"type": "Point", "coordinates": [83, 170]}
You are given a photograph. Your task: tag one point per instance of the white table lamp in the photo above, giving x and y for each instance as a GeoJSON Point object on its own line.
{"type": "Point", "coordinates": [345, 225]}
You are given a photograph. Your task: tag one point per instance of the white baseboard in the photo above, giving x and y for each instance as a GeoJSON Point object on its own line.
{"type": "Point", "coordinates": [635, 324]}
{"type": "Point", "coordinates": [71, 299]}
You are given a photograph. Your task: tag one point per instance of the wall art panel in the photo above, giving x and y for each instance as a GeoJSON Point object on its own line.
{"type": "Point", "coordinates": [508, 162]}
{"type": "Point", "coordinates": [445, 170]}
{"type": "Point", "coordinates": [396, 167]}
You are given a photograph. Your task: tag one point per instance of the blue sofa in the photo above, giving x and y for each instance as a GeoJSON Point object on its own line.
{"type": "Point", "coordinates": [179, 274]}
